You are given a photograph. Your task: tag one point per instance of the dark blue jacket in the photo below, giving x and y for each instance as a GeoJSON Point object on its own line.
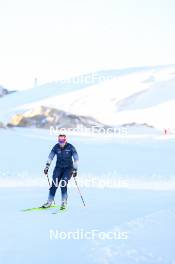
{"type": "Point", "coordinates": [67, 157]}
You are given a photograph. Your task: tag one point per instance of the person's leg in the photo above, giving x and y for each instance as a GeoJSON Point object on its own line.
{"type": "Point", "coordinates": [57, 174]}
{"type": "Point", "coordinates": [67, 174]}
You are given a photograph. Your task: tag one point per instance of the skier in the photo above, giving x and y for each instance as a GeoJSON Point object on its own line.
{"type": "Point", "coordinates": [66, 167]}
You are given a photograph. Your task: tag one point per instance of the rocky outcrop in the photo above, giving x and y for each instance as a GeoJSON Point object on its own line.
{"type": "Point", "coordinates": [4, 91]}
{"type": "Point", "coordinates": [44, 117]}
{"type": "Point", "coordinates": [1, 125]}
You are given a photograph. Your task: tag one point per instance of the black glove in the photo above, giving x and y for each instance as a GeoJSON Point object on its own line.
{"type": "Point", "coordinates": [46, 168]}
{"type": "Point", "coordinates": [74, 173]}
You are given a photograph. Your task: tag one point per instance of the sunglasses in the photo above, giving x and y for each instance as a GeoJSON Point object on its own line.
{"type": "Point", "coordinates": [61, 140]}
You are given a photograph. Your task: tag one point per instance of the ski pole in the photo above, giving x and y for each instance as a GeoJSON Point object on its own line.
{"type": "Point", "coordinates": [48, 180]}
{"type": "Point", "coordinates": [49, 184]}
{"type": "Point", "coordinates": [79, 192]}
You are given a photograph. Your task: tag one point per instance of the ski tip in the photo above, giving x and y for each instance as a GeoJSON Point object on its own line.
{"type": "Point", "coordinates": [39, 208]}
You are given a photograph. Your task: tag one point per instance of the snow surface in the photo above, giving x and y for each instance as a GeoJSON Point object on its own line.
{"type": "Point", "coordinates": [144, 207]}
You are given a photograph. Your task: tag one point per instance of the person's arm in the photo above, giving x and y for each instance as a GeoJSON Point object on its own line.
{"type": "Point", "coordinates": [49, 161]}
{"type": "Point", "coordinates": [51, 155]}
{"type": "Point", "coordinates": [75, 160]}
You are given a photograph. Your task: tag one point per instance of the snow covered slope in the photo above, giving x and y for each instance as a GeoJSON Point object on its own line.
{"type": "Point", "coordinates": [145, 213]}
{"type": "Point", "coordinates": [139, 95]}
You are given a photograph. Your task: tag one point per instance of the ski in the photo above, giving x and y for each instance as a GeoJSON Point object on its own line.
{"type": "Point", "coordinates": [39, 208]}
{"type": "Point", "coordinates": [59, 211]}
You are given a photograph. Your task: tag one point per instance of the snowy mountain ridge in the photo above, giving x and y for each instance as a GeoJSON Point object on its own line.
{"type": "Point", "coordinates": [136, 95]}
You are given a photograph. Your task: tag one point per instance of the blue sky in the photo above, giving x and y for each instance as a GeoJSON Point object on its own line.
{"type": "Point", "coordinates": [55, 39]}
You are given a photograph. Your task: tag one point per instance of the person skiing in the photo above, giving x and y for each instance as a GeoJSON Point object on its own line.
{"type": "Point", "coordinates": [66, 167]}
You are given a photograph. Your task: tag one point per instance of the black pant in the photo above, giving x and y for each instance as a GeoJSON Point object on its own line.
{"type": "Point", "coordinates": [61, 176]}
